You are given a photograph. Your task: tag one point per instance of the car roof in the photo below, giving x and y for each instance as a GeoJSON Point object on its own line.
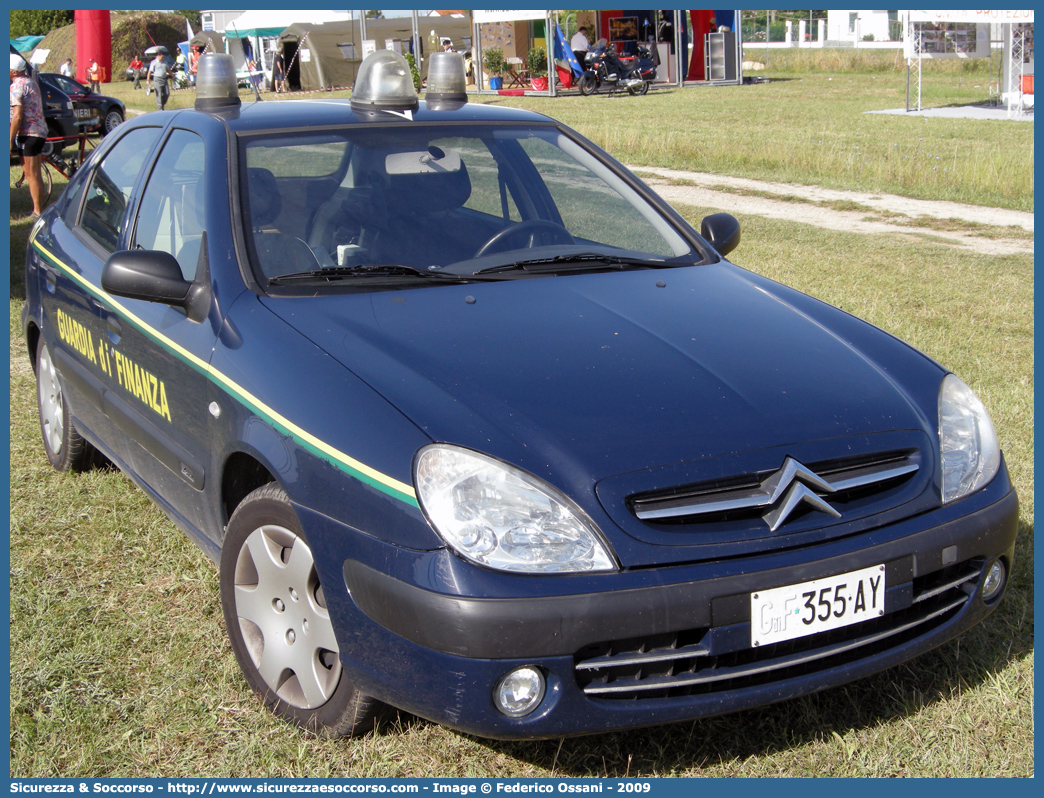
{"type": "Point", "coordinates": [274, 115]}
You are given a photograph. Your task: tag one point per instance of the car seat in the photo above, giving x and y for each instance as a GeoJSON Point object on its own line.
{"type": "Point", "coordinates": [277, 252]}
{"type": "Point", "coordinates": [194, 222]}
{"type": "Point", "coordinates": [416, 227]}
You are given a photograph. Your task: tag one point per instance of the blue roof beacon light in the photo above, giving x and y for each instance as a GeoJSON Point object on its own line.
{"type": "Point", "coordinates": [216, 84]}
{"type": "Point", "coordinates": [384, 83]}
{"type": "Point", "coordinates": [447, 81]}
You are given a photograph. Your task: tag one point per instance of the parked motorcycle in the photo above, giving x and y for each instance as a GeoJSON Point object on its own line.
{"type": "Point", "coordinates": [604, 68]}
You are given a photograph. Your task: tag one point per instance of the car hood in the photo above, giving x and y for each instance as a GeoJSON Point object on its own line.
{"type": "Point", "coordinates": [579, 378]}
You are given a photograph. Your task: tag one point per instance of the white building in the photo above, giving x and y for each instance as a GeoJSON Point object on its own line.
{"type": "Point", "coordinates": [217, 20]}
{"type": "Point", "coordinates": [855, 26]}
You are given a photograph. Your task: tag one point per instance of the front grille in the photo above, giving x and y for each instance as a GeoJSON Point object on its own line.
{"type": "Point", "coordinates": [766, 494]}
{"type": "Point", "coordinates": [709, 660]}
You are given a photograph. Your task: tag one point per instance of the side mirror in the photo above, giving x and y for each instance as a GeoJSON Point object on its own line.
{"type": "Point", "coordinates": [154, 277]}
{"type": "Point", "coordinates": [722, 230]}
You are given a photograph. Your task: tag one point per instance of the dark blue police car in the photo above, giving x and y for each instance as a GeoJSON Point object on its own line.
{"type": "Point", "coordinates": [477, 426]}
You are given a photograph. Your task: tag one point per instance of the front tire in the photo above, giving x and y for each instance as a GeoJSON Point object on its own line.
{"type": "Point", "coordinates": [588, 84]}
{"type": "Point", "coordinates": [66, 448]}
{"type": "Point", "coordinates": [278, 623]}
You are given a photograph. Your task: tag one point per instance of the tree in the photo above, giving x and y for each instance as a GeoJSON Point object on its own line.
{"type": "Point", "coordinates": [38, 23]}
{"type": "Point", "coordinates": [192, 17]}
{"type": "Point", "coordinates": [375, 15]}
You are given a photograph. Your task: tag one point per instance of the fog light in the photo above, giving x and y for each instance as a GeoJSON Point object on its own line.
{"type": "Point", "coordinates": [994, 582]}
{"type": "Point", "coordinates": [520, 692]}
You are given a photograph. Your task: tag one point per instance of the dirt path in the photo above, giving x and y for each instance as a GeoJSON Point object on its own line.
{"type": "Point", "coordinates": [748, 197]}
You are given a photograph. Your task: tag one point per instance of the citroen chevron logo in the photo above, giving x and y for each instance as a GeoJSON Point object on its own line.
{"type": "Point", "coordinates": [779, 494]}
{"type": "Point", "coordinates": [792, 482]}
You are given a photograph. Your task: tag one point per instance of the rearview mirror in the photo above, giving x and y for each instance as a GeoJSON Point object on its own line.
{"type": "Point", "coordinates": [153, 276]}
{"type": "Point", "coordinates": [722, 230]}
{"type": "Point", "coordinates": [144, 274]}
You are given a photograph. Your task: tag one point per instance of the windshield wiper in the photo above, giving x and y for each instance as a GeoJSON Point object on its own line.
{"type": "Point", "coordinates": [372, 270]}
{"type": "Point", "coordinates": [581, 260]}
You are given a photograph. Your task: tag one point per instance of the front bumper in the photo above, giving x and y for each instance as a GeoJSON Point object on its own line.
{"type": "Point", "coordinates": [408, 639]}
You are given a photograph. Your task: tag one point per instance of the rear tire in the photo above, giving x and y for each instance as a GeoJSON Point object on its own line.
{"type": "Point", "coordinates": [48, 183]}
{"type": "Point", "coordinates": [113, 119]}
{"type": "Point", "coordinates": [641, 88]}
{"type": "Point", "coordinates": [588, 84]}
{"type": "Point", "coordinates": [53, 132]}
{"type": "Point", "coordinates": [278, 624]}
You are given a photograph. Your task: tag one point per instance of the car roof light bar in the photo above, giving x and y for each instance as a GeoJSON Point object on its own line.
{"type": "Point", "coordinates": [384, 83]}
{"type": "Point", "coordinates": [447, 80]}
{"type": "Point", "coordinates": [216, 84]}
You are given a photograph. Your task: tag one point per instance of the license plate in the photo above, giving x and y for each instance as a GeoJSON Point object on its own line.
{"type": "Point", "coordinates": [785, 613]}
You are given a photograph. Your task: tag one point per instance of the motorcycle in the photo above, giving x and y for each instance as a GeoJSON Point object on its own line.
{"type": "Point", "coordinates": [604, 67]}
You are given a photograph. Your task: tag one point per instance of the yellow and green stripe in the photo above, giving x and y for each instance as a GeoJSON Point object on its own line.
{"type": "Point", "coordinates": [305, 439]}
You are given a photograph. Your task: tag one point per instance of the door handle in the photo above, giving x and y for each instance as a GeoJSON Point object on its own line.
{"type": "Point", "coordinates": [112, 324]}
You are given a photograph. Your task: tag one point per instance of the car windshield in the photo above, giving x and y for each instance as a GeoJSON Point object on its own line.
{"type": "Point", "coordinates": [460, 200]}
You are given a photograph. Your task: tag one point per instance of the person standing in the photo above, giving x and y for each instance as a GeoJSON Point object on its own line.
{"type": "Point", "coordinates": [28, 128]}
{"type": "Point", "coordinates": [94, 73]}
{"type": "Point", "coordinates": [66, 68]}
{"type": "Point", "coordinates": [193, 63]}
{"type": "Point", "coordinates": [136, 66]}
{"type": "Point", "coordinates": [159, 72]}
{"type": "Point", "coordinates": [579, 44]}
{"type": "Point", "coordinates": [278, 73]}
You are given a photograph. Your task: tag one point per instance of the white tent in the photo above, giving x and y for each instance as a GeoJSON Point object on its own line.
{"type": "Point", "coordinates": [261, 23]}
{"type": "Point", "coordinates": [966, 34]}
{"type": "Point", "coordinates": [261, 27]}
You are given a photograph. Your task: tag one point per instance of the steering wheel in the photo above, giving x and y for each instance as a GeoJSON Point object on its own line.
{"type": "Point", "coordinates": [553, 233]}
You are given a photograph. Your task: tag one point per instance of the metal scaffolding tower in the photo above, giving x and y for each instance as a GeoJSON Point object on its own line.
{"type": "Point", "coordinates": [914, 65]}
{"type": "Point", "coordinates": [1016, 69]}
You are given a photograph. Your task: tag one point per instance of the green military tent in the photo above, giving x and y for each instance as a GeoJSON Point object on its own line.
{"type": "Point", "coordinates": [322, 56]}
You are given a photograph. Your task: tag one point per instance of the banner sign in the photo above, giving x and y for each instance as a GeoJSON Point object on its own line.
{"type": "Point", "coordinates": [970, 16]}
{"type": "Point", "coordinates": [508, 16]}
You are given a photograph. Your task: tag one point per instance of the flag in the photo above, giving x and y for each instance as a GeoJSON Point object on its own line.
{"type": "Point", "coordinates": [564, 53]}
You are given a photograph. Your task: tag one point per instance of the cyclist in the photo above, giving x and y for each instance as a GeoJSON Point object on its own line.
{"type": "Point", "coordinates": [28, 128]}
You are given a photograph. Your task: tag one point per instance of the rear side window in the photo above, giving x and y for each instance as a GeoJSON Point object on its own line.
{"type": "Point", "coordinates": [321, 156]}
{"type": "Point", "coordinates": [104, 215]}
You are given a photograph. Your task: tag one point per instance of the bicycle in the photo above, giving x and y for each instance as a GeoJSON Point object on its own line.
{"type": "Point", "coordinates": [55, 160]}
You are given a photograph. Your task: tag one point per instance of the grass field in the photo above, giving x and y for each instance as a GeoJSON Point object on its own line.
{"type": "Point", "coordinates": [119, 662]}
{"type": "Point", "coordinates": [812, 128]}
{"type": "Point", "coordinates": [803, 127]}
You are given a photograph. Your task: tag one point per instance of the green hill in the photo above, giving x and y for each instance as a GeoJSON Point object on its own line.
{"type": "Point", "coordinates": [132, 33]}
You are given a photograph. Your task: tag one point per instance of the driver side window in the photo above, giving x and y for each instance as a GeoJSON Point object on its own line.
{"type": "Point", "coordinates": [171, 215]}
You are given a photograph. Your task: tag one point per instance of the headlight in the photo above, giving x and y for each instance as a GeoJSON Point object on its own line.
{"type": "Point", "coordinates": [498, 516]}
{"type": "Point", "coordinates": [967, 441]}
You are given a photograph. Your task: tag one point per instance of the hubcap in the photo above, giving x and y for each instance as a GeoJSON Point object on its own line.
{"type": "Point", "coordinates": [283, 617]}
{"type": "Point", "coordinates": [50, 389]}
